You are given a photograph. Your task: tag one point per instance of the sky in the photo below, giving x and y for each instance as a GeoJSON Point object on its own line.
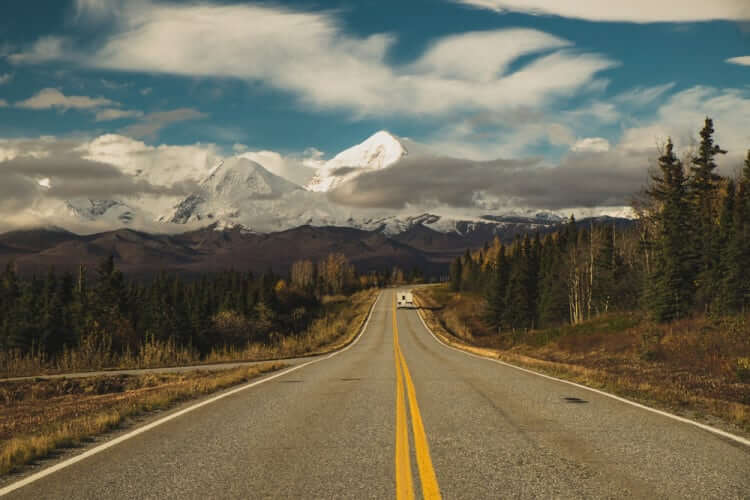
{"type": "Point", "coordinates": [585, 87]}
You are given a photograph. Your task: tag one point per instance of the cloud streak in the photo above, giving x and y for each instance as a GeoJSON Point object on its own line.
{"type": "Point", "coordinates": [742, 60]}
{"type": "Point", "coordinates": [50, 98]}
{"type": "Point", "coordinates": [150, 124]}
{"type": "Point", "coordinates": [633, 11]}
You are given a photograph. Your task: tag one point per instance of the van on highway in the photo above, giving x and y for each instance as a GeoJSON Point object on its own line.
{"type": "Point", "coordinates": [404, 299]}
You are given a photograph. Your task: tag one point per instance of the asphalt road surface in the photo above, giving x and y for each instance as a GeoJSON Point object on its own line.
{"type": "Point", "coordinates": [400, 415]}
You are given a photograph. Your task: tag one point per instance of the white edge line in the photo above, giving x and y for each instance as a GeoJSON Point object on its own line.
{"type": "Point", "coordinates": [705, 427]}
{"type": "Point", "coordinates": [93, 451]}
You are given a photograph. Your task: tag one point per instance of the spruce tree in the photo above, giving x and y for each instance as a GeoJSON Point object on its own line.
{"type": "Point", "coordinates": [671, 285]}
{"type": "Point", "coordinates": [496, 290]}
{"type": "Point", "coordinates": [704, 186]}
{"type": "Point", "coordinates": [728, 273]}
{"type": "Point", "coordinates": [553, 299]}
{"type": "Point", "coordinates": [741, 243]}
{"type": "Point", "coordinates": [517, 311]}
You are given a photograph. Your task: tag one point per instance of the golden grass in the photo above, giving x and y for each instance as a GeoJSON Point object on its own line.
{"type": "Point", "coordinates": [102, 413]}
{"type": "Point", "coordinates": [694, 367]}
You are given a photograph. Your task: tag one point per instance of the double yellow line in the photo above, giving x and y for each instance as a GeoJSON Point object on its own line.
{"type": "Point", "coordinates": [404, 486]}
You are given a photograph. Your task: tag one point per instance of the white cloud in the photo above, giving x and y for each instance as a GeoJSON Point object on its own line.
{"type": "Point", "coordinates": [96, 10]}
{"type": "Point", "coordinates": [603, 112]}
{"type": "Point", "coordinates": [150, 124]}
{"type": "Point", "coordinates": [742, 60]}
{"type": "Point", "coordinates": [112, 85]}
{"type": "Point", "coordinates": [592, 144]}
{"type": "Point", "coordinates": [3, 103]}
{"type": "Point", "coordinates": [116, 114]}
{"type": "Point", "coordinates": [635, 11]}
{"type": "Point", "coordinates": [296, 168]}
{"type": "Point", "coordinates": [311, 56]}
{"type": "Point", "coordinates": [50, 98]}
{"type": "Point", "coordinates": [457, 56]}
{"type": "Point", "coordinates": [643, 96]}
{"type": "Point", "coordinates": [5, 78]}
{"type": "Point", "coordinates": [681, 118]}
{"type": "Point", "coordinates": [239, 148]}
{"type": "Point", "coordinates": [47, 48]}
{"type": "Point", "coordinates": [146, 91]}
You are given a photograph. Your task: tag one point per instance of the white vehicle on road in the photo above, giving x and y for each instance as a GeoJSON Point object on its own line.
{"type": "Point", "coordinates": [404, 299]}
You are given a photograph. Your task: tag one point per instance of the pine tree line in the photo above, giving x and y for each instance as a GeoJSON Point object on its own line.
{"type": "Point", "coordinates": [47, 315]}
{"type": "Point", "coordinates": [688, 252]}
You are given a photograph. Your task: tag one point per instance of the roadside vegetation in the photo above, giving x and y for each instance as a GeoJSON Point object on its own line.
{"type": "Point", "coordinates": [658, 310]}
{"type": "Point", "coordinates": [39, 417]}
{"type": "Point", "coordinates": [77, 323]}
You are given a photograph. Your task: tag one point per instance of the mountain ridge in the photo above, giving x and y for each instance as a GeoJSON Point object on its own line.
{"type": "Point", "coordinates": [212, 249]}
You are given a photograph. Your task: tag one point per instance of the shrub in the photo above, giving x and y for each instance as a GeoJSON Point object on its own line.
{"type": "Point", "coordinates": [742, 368]}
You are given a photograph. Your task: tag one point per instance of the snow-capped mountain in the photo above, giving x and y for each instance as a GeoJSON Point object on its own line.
{"type": "Point", "coordinates": [381, 150]}
{"type": "Point", "coordinates": [237, 188]}
{"type": "Point", "coordinates": [242, 192]}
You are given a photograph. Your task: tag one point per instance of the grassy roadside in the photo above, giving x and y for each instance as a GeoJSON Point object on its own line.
{"type": "Point", "coordinates": [694, 368]}
{"type": "Point", "coordinates": [327, 334]}
{"type": "Point", "coordinates": [39, 417]}
{"type": "Point", "coordinates": [340, 324]}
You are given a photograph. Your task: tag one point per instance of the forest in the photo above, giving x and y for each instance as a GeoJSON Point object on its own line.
{"type": "Point", "coordinates": [687, 253]}
{"type": "Point", "coordinates": [62, 319]}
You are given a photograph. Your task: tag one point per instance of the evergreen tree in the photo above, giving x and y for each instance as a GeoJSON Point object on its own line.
{"type": "Point", "coordinates": [553, 299]}
{"type": "Point", "coordinates": [704, 185]}
{"type": "Point", "coordinates": [497, 289]}
{"type": "Point", "coordinates": [517, 298]}
{"type": "Point", "coordinates": [729, 298]}
{"type": "Point", "coordinates": [605, 264]}
{"type": "Point", "coordinates": [533, 252]}
{"type": "Point", "coordinates": [672, 289]}
{"type": "Point", "coordinates": [739, 260]}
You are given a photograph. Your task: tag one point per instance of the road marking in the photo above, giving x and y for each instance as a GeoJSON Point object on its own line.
{"type": "Point", "coordinates": [404, 486]}
{"type": "Point", "coordinates": [109, 444]}
{"type": "Point", "coordinates": [684, 420]}
{"type": "Point", "coordinates": [427, 477]}
{"type": "Point", "coordinates": [430, 488]}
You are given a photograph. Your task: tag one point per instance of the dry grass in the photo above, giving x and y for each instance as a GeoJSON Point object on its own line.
{"type": "Point", "coordinates": [324, 335]}
{"type": "Point", "coordinates": [340, 325]}
{"type": "Point", "coordinates": [696, 367]}
{"type": "Point", "coordinates": [41, 416]}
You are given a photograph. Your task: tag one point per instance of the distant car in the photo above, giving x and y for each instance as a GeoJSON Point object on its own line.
{"type": "Point", "coordinates": [404, 299]}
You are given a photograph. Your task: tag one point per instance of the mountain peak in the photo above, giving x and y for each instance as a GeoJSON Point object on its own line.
{"type": "Point", "coordinates": [231, 185]}
{"type": "Point", "coordinates": [380, 150]}
{"type": "Point", "coordinates": [242, 178]}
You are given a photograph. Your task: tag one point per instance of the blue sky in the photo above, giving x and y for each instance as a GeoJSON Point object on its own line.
{"type": "Point", "coordinates": [546, 104]}
{"type": "Point", "coordinates": [253, 109]}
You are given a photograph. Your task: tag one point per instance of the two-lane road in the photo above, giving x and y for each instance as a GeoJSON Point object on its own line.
{"type": "Point", "coordinates": [398, 414]}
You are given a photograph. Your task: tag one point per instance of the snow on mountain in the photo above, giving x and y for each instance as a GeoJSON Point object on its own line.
{"type": "Point", "coordinates": [379, 151]}
{"type": "Point", "coordinates": [242, 191]}
{"type": "Point", "coordinates": [96, 210]}
{"type": "Point", "coordinates": [237, 188]}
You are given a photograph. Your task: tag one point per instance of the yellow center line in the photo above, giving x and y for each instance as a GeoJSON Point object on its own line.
{"type": "Point", "coordinates": [430, 488]}
{"type": "Point", "coordinates": [404, 487]}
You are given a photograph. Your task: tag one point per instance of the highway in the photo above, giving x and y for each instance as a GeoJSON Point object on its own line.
{"type": "Point", "coordinates": [399, 415]}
